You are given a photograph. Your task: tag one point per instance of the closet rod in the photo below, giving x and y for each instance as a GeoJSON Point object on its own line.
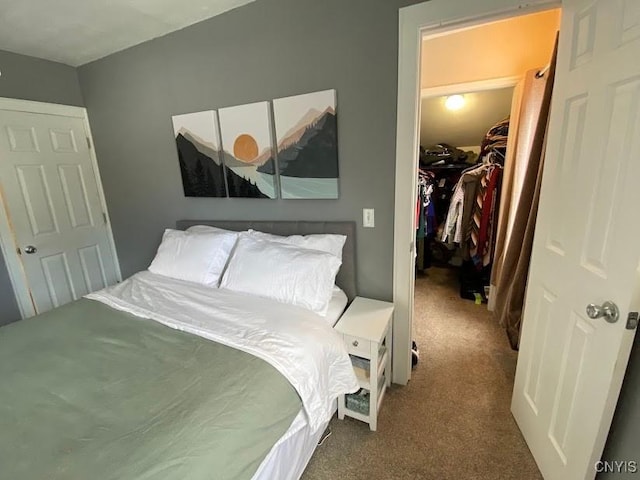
{"type": "Point", "coordinates": [541, 72]}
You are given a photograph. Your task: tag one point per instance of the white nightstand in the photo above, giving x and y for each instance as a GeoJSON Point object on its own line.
{"type": "Point", "coordinates": [366, 329]}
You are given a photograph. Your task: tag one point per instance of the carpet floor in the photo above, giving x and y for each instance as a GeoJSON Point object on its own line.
{"type": "Point", "coordinates": [452, 421]}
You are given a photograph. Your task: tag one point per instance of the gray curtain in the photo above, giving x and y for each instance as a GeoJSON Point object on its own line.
{"type": "Point", "coordinates": [515, 230]}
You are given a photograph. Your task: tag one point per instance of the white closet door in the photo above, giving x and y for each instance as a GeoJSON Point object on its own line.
{"type": "Point", "coordinates": [586, 251]}
{"type": "Point", "coordinates": [53, 205]}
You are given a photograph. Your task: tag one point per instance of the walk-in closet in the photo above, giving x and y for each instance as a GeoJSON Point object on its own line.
{"type": "Point", "coordinates": [482, 123]}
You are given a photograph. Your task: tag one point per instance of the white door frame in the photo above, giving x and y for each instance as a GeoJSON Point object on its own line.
{"type": "Point", "coordinates": [8, 244]}
{"type": "Point", "coordinates": [416, 21]}
{"type": "Point", "coordinates": [470, 87]}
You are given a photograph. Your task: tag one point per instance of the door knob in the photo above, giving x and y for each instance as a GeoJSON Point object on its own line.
{"type": "Point", "coordinates": [30, 249]}
{"type": "Point", "coordinates": [608, 310]}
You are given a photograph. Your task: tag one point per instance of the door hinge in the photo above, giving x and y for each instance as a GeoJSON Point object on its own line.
{"type": "Point", "coordinates": [19, 251]}
{"type": "Point", "coordinates": [632, 320]}
{"type": "Point", "coordinates": [88, 143]}
{"type": "Point", "coordinates": [104, 217]}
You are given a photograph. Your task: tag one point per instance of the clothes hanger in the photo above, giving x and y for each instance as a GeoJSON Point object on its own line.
{"type": "Point", "coordinates": [497, 152]}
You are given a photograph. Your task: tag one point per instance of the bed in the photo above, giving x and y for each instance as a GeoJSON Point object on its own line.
{"type": "Point", "coordinates": [160, 378]}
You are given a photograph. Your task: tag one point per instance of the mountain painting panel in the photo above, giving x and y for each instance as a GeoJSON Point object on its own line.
{"type": "Point", "coordinates": [198, 147]}
{"type": "Point", "coordinates": [247, 150]}
{"type": "Point", "coordinates": [307, 137]}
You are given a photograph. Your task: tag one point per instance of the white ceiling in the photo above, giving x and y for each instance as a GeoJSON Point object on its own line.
{"type": "Point", "coordinates": [465, 127]}
{"type": "Point", "coordinates": [76, 32]}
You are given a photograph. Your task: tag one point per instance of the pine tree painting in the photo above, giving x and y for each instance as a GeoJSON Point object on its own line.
{"type": "Point", "coordinates": [307, 145]}
{"type": "Point", "coordinates": [198, 147]}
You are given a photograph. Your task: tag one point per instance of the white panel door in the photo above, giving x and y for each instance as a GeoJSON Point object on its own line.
{"type": "Point", "coordinates": [586, 247]}
{"type": "Point", "coordinates": [53, 204]}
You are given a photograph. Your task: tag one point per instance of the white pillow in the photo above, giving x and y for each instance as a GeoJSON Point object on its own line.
{"type": "Point", "coordinates": [285, 273]}
{"type": "Point", "coordinates": [336, 307]}
{"type": "Point", "coordinates": [325, 242]}
{"type": "Point", "coordinates": [207, 229]}
{"type": "Point", "coordinates": [195, 257]}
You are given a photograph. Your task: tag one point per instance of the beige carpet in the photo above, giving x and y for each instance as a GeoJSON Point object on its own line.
{"type": "Point", "coordinates": [452, 421]}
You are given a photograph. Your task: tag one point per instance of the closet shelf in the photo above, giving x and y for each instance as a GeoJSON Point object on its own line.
{"type": "Point", "coordinates": [447, 166]}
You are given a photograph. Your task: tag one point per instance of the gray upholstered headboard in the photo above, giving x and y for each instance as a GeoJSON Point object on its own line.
{"type": "Point", "coordinates": [346, 278]}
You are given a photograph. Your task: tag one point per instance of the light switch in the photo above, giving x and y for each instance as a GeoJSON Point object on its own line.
{"type": "Point", "coordinates": [368, 217]}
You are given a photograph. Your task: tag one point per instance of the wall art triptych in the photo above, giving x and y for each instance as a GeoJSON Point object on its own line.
{"type": "Point", "coordinates": [230, 153]}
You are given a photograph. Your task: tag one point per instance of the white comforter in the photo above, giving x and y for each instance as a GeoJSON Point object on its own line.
{"type": "Point", "coordinates": [299, 344]}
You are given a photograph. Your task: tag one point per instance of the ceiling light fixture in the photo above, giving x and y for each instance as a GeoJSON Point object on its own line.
{"type": "Point", "coordinates": [454, 102]}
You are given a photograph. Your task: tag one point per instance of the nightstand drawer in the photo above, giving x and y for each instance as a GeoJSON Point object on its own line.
{"type": "Point", "coordinates": [358, 346]}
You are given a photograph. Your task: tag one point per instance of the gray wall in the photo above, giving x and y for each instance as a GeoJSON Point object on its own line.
{"type": "Point", "coordinates": [8, 307]}
{"type": "Point", "coordinates": [265, 50]}
{"type": "Point", "coordinates": [30, 78]}
{"type": "Point", "coordinates": [624, 436]}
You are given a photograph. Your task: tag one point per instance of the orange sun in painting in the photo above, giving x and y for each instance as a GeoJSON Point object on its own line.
{"type": "Point", "coordinates": [245, 148]}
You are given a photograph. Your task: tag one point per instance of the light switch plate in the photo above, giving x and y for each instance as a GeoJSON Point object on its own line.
{"type": "Point", "coordinates": [368, 217]}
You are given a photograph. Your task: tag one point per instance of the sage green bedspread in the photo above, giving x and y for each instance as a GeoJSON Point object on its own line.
{"type": "Point", "coordinates": [88, 393]}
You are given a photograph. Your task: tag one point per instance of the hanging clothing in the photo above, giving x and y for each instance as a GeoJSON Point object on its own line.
{"type": "Point", "coordinates": [471, 216]}
{"type": "Point", "coordinates": [484, 246]}
{"type": "Point", "coordinates": [467, 200]}
{"type": "Point", "coordinates": [496, 138]}
{"type": "Point", "coordinates": [425, 219]}
{"type": "Point", "coordinates": [470, 181]}
{"type": "Point", "coordinates": [476, 215]}
{"type": "Point", "coordinates": [452, 231]}
{"type": "Point", "coordinates": [431, 219]}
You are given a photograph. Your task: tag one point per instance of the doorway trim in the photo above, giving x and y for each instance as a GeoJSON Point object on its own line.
{"type": "Point", "coordinates": [470, 87]}
{"type": "Point", "coordinates": [8, 244]}
{"type": "Point", "coordinates": [415, 22]}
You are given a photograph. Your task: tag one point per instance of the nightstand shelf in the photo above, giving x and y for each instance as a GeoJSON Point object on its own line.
{"type": "Point", "coordinates": [365, 374]}
{"type": "Point", "coordinates": [366, 328]}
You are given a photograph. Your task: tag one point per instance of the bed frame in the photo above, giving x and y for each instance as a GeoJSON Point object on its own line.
{"type": "Point", "coordinates": [346, 278]}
